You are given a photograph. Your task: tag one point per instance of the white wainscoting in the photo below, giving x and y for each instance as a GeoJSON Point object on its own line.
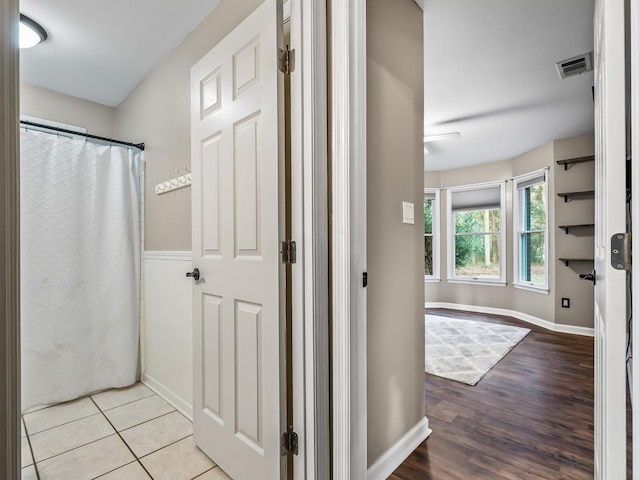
{"type": "Point", "coordinates": [166, 333]}
{"type": "Point", "coordinates": [555, 327]}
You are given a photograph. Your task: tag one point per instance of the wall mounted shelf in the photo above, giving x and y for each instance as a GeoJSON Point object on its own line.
{"type": "Point", "coordinates": [567, 261]}
{"type": "Point", "coordinates": [566, 228]}
{"type": "Point", "coordinates": [569, 162]}
{"type": "Point", "coordinates": [577, 195]}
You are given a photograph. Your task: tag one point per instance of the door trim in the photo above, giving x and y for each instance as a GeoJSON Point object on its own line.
{"type": "Point", "coordinates": [10, 243]}
{"type": "Point", "coordinates": [309, 151]}
{"type": "Point", "coordinates": [635, 223]}
{"type": "Point", "coordinates": [348, 70]}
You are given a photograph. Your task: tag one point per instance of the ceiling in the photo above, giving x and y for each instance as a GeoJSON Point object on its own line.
{"type": "Point", "coordinates": [101, 50]}
{"type": "Point", "coordinates": [489, 66]}
{"type": "Point", "coordinates": [490, 74]}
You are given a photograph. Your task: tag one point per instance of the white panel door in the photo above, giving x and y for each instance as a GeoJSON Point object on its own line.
{"type": "Point", "coordinates": [610, 296]}
{"type": "Point", "coordinates": [235, 119]}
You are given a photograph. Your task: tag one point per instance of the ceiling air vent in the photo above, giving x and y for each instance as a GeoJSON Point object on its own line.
{"type": "Point", "coordinates": [575, 65]}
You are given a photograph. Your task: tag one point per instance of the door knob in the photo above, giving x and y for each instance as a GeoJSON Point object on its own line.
{"type": "Point", "coordinates": [195, 274]}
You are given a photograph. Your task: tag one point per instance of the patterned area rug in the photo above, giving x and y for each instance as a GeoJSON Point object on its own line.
{"type": "Point", "coordinates": [465, 350]}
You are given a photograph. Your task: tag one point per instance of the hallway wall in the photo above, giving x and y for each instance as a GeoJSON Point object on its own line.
{"type": "Point", "coordinates": [395, 297]}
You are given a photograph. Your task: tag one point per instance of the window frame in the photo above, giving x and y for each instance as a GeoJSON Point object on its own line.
{"type": "Point", "coordinates": [518, 231]}
{"type": "Point", "coordinates": [436, 232]}
{"type": "Point", "coordinates": [451, 237]}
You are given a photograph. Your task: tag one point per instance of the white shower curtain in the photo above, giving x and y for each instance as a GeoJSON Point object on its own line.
{"type": "Point", "coordinates": [80, 226]}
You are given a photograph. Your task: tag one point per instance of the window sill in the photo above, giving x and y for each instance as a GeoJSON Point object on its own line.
{"type": "Point", "coordinates": [471, 281]}
{"type": "Point", "coordinates": [431, 280]}
{"type": "Point", "coordinates": [531, 288]}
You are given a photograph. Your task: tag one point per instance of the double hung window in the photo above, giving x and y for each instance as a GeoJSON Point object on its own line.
{"type": "Point", "coordinates": [531, 231]}
{"type": "Point", "coordinates": [431, 234]}
{"type": "Point", "coordinates": [476, 242]}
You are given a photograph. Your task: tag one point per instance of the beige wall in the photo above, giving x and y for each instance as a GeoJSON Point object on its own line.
{"type": "Point", "coordinates": [432, 179]}
{"type": "Point", "coordinates": [546, 307]}
{"type": "Point", "coordinates": [58, 107]}
{"type": "Point", "coordinates": [578, 243]}
{"type": "Point", "coordinates": [158, 113]}
{"type": "Point", "coordinates": [395, 297]}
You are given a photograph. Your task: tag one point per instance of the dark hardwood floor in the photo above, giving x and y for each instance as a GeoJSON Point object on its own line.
{"type": "Point", "coordinates": [530, 417]}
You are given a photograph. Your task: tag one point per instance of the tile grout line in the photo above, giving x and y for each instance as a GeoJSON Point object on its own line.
{"type": "Point", "coordinates": [102, 438]}
{"type": "Point", "coordinates": [67, 423]}
{"type": "Point", "coordinates": [168, 445]}
{"type": "Point", "coordinates": [102, 475]}
{"type": "Point", "coordinates": [33, 458]}
{"type": "Point", "coordinates": [100, 410]}
{"type": "Point", "coordinates": [125, 443]}
{"type": "Point", "coordinates": [75, 448]}
{"type": "Point", "coordinates": [206, 471]}
{"type": "Point", "coordinates": [127, 403]}
{"type": "Point", "coordinates": [146, 421]}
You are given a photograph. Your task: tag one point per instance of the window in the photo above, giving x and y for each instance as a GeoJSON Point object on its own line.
{"type": "Point", "coordinates": [431, 234]}
{"type": "Point", "coordinates": [531, 232]}
{"type": "Point", "coordinates": [476, 247]}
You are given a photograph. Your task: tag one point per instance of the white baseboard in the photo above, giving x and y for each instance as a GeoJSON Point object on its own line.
{"type": "Point", "coordinates": [385, 465]}
{"type": "Point", "coordinates": [178, 403]}
{"type": "Point", "coordinates": [555, 327]}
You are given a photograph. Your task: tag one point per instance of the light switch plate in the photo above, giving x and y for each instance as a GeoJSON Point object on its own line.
{"type": "Point", "coordinates": [407, 213]}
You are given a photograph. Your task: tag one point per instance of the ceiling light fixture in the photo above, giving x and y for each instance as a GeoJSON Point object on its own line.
{"type": "Point", "coordinates": [31, 33]}
{"type": "Point", "coordinates": [441, 136]}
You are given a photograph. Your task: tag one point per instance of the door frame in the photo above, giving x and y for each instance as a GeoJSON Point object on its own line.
{"type": "Point", "coordinates": [348, 137]}
{"type": "Point", "coordinates": [347, 65]}
{"type": "Point", "coordinates": [634, 56]}
{"type": "Point", "coordinates": [310, 218]}
{"type": "Point", "coordinates": [10, 243]}
{"type": "Point", "coordinates": [348, 165]}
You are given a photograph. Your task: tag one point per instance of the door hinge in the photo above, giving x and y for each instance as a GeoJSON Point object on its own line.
{"type": "Point", "coordinates": [621, 251]}
{"type": "Point", "coordinates": [288, 252]}
{"type": "Point", "coordinates": [286, 60]}
{"type": "Point", "coordinates": [289, 442]}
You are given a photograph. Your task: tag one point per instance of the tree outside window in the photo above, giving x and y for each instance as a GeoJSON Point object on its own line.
{"type": "Point", "coordinates": [531, 195]}
{"type": "Point", "coordinates": [428, 235]}
{"type": "Point", "coordinates": [431, 233]}
{"type": "Point", "coordinates": [477, 243]}
{"type": "Point", "coordinates": [476, 222]}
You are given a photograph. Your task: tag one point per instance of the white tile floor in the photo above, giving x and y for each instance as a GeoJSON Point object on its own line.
{"type": "Point", "coordinates": [122, 434]}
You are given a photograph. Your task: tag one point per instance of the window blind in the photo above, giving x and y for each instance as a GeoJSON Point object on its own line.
{"type": "Point", "coordinates": [529, 182]}
{"type": "Point", "coordinates": [476, 199]}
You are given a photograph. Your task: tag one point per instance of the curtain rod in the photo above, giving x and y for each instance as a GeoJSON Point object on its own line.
{"type": "Point", "coordinates": [139, 146]}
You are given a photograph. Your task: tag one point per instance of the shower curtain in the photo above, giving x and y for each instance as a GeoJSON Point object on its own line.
{"type": "Point", "coordinates": [80, 267]}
